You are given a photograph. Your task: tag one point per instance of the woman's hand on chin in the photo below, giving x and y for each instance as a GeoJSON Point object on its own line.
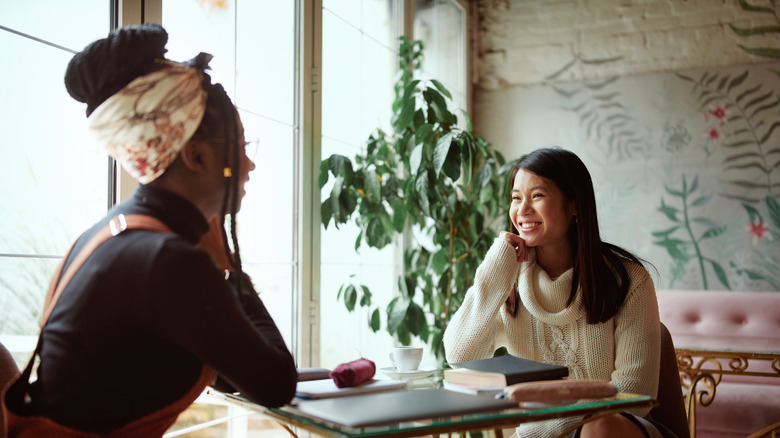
{"type": "Point", "coordinates": [517, 242]}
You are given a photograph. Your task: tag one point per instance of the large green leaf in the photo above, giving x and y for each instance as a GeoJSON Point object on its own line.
{"type": "Point", "coordinates": [365, 300]}
{"type": "Point", "coordinates": [421, 185]}
{"type": "Point", "coordinates": [467, 159]}
{"type": "Point", "coordinates": [440, 110]}
{"type": "Point", "coordinates": [347, 202]}
{"type": "Point", "coordinates": [416, 159]}
{"type": "Point", "coordinates": [484, 175]}
{"type": "Point", "coordinates": [452, 162]}
{"type": "Point", "coordinates": [350, 297]}
{"type": "Point", "coordinates": [440, 260]}
{"type": "Point", "coordinates": [441, 152]}
{"type": "Point", "coordinates": [335, 204]}
{"type": "Point", "coordinates": [415, 319]}
{"type": "Point", "coordinates": [441, 88]}
{"type": "Point", "coordinates": [323, 177]}
{"type": "Point", "coordinates": [399, 215]}
{"type": "Point", "coordinates": [396, 312]}
{"type": "Point", "coordinates": [375, 321]}
{"type": "Point", "coordinates": [423, 134]}
{"type": "Point", "coordinates": [373, 187]}
{"type": "Point", "coordinates": [377, 235]}
{"type": "Point", "coordinates": [341, 166]}
{"type": "Point", "coordinates": [406, 116]}
{"type": "Point", "coordinates": [326, 213]}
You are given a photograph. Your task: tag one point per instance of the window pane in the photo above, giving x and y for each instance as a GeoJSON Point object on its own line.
{"type": "Point", "coordinates": [441, 26]}
{"type": "Point", "coordinates": [209, 27]}
{"type": "Point", "coordinates": [254, 59]}
{"type": "Point", "coordinates": [359, 52]}
{"type": "Point", "coordinates": [341, 80]}
{"type": "Point", "coordinates": [55, 178]}
{"type": "Point", "coordinates": [44, 19]}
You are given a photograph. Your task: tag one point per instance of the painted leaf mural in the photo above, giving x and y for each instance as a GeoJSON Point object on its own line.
{"type": "Point", "coordinates": [742, 116]}
{"type": "Point", "coordinates": [604, 118]}
{"type": "Point", "coordinates": [683, 240]}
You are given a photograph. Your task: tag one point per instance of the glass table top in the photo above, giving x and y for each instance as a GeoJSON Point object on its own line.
{"type": "Point", "coordinates": [291, 416]}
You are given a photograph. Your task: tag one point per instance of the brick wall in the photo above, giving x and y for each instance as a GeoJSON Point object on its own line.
{"type": "Point", "coordinates": [526, 42]}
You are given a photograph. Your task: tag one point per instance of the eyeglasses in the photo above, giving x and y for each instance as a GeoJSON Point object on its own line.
{"type": "Point", "coordinates": [251, 147]}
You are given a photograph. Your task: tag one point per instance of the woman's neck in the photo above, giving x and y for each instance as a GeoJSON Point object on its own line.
{"type": "Point", "coordinates": [554, 261]}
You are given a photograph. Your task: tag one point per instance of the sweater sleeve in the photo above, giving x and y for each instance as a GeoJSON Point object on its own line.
{"type": "Point", "coordinates": [638, 339]}
{"type": "Point", "coordinates": [477, 328]}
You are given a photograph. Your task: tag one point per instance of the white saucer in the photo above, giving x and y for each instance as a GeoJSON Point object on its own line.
{"type": "Point", "coordinates": [409, 375]}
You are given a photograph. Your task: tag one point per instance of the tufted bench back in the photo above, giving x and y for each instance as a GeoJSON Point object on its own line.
{"type": "Point", "coordinates": [745, 321]}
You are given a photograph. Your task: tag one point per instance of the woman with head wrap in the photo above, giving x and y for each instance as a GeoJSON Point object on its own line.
{"type": "Point", "coordinates": [155, 312]}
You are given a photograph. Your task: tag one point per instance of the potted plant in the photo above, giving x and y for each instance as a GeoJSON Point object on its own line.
{"type": "Point", "coordinates": [427, 175]}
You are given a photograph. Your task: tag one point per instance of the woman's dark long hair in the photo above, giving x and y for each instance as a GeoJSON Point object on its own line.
{"type": "Point", "coordinates": [599, 273]}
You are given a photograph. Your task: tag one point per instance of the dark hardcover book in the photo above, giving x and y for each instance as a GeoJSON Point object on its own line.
{"type": "Point", "coordinates": [503, 371]}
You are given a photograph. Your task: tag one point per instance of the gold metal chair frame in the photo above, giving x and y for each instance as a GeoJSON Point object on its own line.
{"type": "Point", "coordinates": [701, 371]}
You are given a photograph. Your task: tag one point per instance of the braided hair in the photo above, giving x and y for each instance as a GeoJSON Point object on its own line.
{"type": "Point", "coordinates": [220, 121]}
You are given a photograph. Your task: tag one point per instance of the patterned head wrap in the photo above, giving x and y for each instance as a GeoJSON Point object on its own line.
{"type": "Point", "coordinates": [145, 124]}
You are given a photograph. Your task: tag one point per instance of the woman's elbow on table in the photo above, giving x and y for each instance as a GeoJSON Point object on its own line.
{"type": "Point", "coordinates": [275, 390]}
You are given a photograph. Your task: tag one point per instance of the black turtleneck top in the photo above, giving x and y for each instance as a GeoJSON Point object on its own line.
{"type": "Point", "coordinates": [143, 314]}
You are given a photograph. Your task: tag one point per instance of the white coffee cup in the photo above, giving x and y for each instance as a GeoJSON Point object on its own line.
{"type": "Point", "coordinates": [406, 359]}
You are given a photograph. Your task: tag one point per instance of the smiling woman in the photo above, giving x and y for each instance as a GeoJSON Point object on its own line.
{"type": "Point", "coordinates": [552, 291]}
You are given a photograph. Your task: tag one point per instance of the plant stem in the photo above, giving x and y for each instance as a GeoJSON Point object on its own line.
{"type": "Point", "coordinates": [693, 238]}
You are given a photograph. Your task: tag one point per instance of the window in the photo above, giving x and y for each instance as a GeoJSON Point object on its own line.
{"type": "Point", "coordinates": [253, 44]}
{"type": "Point", "coordinates": [360, 50]}
{"type": "Point", "coordinates": [55, 181]}
{"type": "Point", "coordinates": [359, 61]}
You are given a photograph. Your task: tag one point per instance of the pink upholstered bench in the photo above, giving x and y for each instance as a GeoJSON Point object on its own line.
{"type": "Point", "coordinates": [730, 321]}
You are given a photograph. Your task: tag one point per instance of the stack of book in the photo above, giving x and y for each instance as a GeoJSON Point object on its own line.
{"type": "Point", "coordinates": [490, 376]}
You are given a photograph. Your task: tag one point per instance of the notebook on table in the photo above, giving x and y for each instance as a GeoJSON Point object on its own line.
{"type": "Point", "coordinates": [503, 371]}
{"type": "Point", "coordinates": [326, 388]}
{"type": "Point", "coordinates": [393, 407]}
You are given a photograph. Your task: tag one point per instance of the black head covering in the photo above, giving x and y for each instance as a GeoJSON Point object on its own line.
{"type": "Point", "coordinates": [109, 64]}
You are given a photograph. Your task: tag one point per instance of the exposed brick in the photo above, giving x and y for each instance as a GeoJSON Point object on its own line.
{"type": "Point", "coordinates": [540, 36]}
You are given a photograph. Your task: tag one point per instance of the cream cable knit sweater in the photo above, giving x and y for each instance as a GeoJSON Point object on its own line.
{"type": "Point", "coordinates": [624, 350]}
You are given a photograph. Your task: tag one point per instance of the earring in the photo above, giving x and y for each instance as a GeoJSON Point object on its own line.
{"type": "Point", "coordinates": [226, 172]}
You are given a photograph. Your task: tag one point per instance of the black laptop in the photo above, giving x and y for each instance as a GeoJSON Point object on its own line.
{"type": "Point", "coordinates": [397, 406]}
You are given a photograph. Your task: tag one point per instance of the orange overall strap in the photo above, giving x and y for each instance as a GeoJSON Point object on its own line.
{"type": "Point", "coordinates": [19, 425]}
{"type": "Point", "coordinates": [115, 226]}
